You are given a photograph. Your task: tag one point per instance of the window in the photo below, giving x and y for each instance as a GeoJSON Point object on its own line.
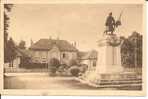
{"type": "Point", "coordinates": [64, 55]}
{"type": "Point", "coordinates": [94, 63]}
{"type": "Point", "coordinates": [43, 55]}
{"type": "Point", "coordinates": [10, 65]}
{"type": "Point", "coordinates": [44, 60]}
{"type": "Point", "coordinates": [36, 61]}
{"type": "Point", "coordinates": [36, 53]}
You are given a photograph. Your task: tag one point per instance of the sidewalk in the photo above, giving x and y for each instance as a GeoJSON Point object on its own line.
{"type": "Point", "coordinates": [27, 74]}
{"type": "Point", "coordinates": [23, 70]}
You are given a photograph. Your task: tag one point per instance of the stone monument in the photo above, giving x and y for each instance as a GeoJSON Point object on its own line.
{"type": "Point", "coordinates": [109, 55]}
{"type": "Point", "coordinates": [109, 71]}
{"type": "Point", "coordinates": [108, 61]}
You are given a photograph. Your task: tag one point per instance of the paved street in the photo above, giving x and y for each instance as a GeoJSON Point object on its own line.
{"type": "Point", "coordinates": [43, 82]}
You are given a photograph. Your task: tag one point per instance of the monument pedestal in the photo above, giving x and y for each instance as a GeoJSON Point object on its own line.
{"type": "Point", "coordinates": [109, 61]}
{"type": "Point", "coordinates": [109, 55]}
{"type": "Point", "coordinates": [108, 72]}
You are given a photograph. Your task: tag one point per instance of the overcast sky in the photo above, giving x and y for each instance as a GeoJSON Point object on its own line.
{"type": "Point", "coordinates": [83, 23]}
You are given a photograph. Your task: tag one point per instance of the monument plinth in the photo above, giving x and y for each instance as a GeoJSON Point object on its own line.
{"type": "Point", "coordinates": [108, 66]}
{"type": "Point", "coordinates": [109, 55]}
{"type": "Point", "coordinates": [109, 72]}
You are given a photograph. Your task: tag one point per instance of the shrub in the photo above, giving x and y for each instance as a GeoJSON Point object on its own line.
{"type": "Point", "coordinates": [53, 71]}
{"type": "Point", "coordinates": [62, 68]}
{"type": "Point", "coordinates": [54, 65]}
{"type": "Point", "coordinates": [33, 65]}
{"type": "Point", "coordinates": [83, 68]}
{"type": "Point", "coordinates": [54, 62]}
{"type": "Point", "coordinates": [75, 71]}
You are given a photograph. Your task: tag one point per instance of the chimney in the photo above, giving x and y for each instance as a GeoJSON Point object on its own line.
{"type": "Point", "coordinates": [50, 37]}
{"type": "Point", "coordinates": [58, 38]}
{"type": "Point", "coordinates": [31, 42]}
{"type": "Point", "coordinates": [74, 44]}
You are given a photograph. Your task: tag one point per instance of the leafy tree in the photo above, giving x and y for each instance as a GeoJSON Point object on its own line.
{"type": "Point", "coordinates": [11, 51]}
{"type": "Point", "coordinates": [131, 51]}
{"type": "Point", "coordinates": [22, 44]}
{"type": "Point", "coordinates": [7, 9]}
{"type": "Point", "coordinates": [126, 53]}
{"type": "Point", "coordinates": [75, 71]}
{"type": "Point", "coordinates": [54, 65]}
{"type": "Point", "coordinates": [136, 40]}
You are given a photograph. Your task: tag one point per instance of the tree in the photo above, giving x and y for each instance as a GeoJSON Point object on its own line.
{"type": "Point", "coordinates": [136, 40]}
{"type": "Point", "coordinates": [131, 51]}
{"type": "Point", "coordinates": [22, 44]}
{"type": "Point", "coordinates": [127, 53]}
{"type": "Point", "coordinates": [54, 65]}
{"type": "Point", "coordinates": [11, 51]}
{"type": "Point", "coordinates": [75, 71]}
{"type": "Point", "coordinates": [7, 9]}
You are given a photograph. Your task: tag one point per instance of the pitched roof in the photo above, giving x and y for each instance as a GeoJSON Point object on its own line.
{"type": "Point", "coordinates": [47, 44]}
{"type": "Point", "coordinates": [23, 52]}
{"type": "Point", "coordinates": [88, 55]}
{"type": "Point", "coordinates": [81, 54]}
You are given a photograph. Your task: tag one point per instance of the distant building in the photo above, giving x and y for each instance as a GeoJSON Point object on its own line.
{"type": "Point", "coordinates": [41, 52]}
{"type": "Point", "coordinates": [88, 58]}
{"type": "Point", "coordinates": [46, 49]}
{"type": "Point", "coordinates": [22, 56]}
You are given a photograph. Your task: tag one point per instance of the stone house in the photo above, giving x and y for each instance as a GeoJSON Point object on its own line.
{"type": "Point", "coordinates": [21, 56]}
{"type": "Point", "coordinates": [88, 58]}
{"type": "Point", "coordinates": [46, 49]}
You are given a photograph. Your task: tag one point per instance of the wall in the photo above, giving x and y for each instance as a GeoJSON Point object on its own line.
{"type": "Point", "coordinates": [16, 63]}
{"type": "Point", "coordinates": [89, 63]}
{"type": "Point", "coordinates": [66, 57]}
{"type": "Point", "coordinates": [45, 56]}
{"type": "Point", "coordinates": [39, 56]}
{"type": "Point", "coordinates": [54, 53]}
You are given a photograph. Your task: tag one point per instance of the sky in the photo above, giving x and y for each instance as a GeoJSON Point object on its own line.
{"type": "Point", "coordinates": [80, 23]}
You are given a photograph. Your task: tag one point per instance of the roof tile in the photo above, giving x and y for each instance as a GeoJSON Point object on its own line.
{"type": "Point", "coordinates": [47, 44]}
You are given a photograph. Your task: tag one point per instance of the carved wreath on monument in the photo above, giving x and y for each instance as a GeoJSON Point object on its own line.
{"type": "Point", "coordinates": [114, 41]}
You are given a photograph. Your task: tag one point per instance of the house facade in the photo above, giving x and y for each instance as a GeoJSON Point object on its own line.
{"type": "Point", "coordinates": [89, 59]}
{"type": "Point", "coordinates": [22, 55]}
{"type": "Point", "coordinates": [46, 49]}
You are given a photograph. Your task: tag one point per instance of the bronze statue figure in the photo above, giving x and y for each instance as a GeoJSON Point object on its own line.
{"type": "Point", "coordinates": [111, 24]}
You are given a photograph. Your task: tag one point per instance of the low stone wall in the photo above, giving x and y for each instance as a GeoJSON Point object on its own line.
{"type": "Point", "coordinates": [17, 70]}
{"type": "Point", "coordinates": [131, 70]}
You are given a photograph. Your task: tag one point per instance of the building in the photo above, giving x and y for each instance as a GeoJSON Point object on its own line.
{"type": "Point", "coordinates": [22, 56]}
{"type": "Point", "coordinates": [46, 49]}
{"type": "Point", "coordinates": [88, 58]}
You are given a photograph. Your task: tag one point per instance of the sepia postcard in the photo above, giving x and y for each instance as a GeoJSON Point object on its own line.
{"type": "Point", "coordinates": [73, 47]}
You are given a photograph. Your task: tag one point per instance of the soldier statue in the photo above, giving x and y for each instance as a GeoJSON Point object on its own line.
{"type": "Point", "coordinates": [111, 24]}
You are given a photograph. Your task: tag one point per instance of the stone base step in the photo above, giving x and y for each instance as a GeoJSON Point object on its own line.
{"type": "Point", "coordinates": [119, 82]}
{"type": "Point", "coordinates": [116, 85]}
{"type": "Point", "coordinates": [113, 83]}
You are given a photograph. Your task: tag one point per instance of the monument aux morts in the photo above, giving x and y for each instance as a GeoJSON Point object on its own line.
{"type": "Point", "coordinates": [109, 71]}
{"type": "Point", "coordinates": [109, 57]}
